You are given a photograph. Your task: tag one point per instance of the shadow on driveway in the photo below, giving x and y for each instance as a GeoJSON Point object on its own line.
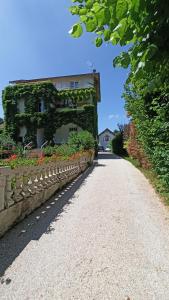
{"type": "Point", "coordinates": [38, 223]}
{"type": "Point", "coordinates": [108, 155]}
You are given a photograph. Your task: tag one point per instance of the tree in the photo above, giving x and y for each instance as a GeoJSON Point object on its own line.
{"type": "Point", "coordinates": [143, 24]}
{"type": "Point", "coordinates": [118, 145]}
{"type": "Point", "coordinates": [121, 127]}
{"type": "Point", "coordinates": [1, 121]}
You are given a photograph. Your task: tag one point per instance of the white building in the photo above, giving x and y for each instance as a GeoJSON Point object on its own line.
{"type": "Point", "coordinates": [68, 82]}
{"type": "Point", "coordinates": [105, 137]}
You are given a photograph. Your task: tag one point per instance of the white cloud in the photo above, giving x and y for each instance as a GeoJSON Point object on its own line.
{"type": "Point", "coordinates": [113, 116]}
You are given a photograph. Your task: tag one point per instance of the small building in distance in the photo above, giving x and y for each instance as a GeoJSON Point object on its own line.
{"type": "Point", "coordinates": [105, 137]}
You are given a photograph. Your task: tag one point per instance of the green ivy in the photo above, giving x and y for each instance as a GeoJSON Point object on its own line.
{"type": "Point", "coordinates": [52, 118]}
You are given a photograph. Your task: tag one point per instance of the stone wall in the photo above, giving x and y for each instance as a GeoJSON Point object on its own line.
{"type": "Point", "coordinates": [24, 189]}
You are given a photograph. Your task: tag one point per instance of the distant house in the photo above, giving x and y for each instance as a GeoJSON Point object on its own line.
{"type": "Point", "coordinates": [105, 137]}
{"type": "Point", "coordinates": [49, 109]}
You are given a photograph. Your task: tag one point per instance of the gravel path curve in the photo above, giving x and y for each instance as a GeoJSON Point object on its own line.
{"type": "Point", "coordinates": [106, 236]}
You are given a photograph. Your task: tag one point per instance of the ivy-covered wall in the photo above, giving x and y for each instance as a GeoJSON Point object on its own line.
{"type": "Point", "coordinates": [84, 115]}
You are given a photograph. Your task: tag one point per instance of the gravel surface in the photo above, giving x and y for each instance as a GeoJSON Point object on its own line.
{"type": "Point", "coordinates": [106, 236]}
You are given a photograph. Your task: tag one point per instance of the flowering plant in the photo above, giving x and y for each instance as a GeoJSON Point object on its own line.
{"type": "Point", "coordinates": [12, 157]}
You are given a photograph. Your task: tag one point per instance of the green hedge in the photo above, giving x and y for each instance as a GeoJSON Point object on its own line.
{"type": "Point", "coordinates": [117, 144]}
{"type": "Point", "coordinates": [150, 115]}
{"type": "Point", "coordinates": [81, 141]}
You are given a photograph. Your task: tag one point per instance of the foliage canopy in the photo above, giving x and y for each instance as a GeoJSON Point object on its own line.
{"type": "Point", "coordinates": [143, 27]}
{"type": "Point", "coordinates": [141, 24]}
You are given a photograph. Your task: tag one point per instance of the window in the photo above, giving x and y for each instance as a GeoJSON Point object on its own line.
{"type": "Point", "coordinates": [74, 84]}
{"type": "Point", "coordinates": [21, 106]}
{"type": "Point", "coordinates": [69, 103]}
{"type": "Point", "coordinates": [41, 106]}
{"type": "Point", "coordinates": [73, 129]}
{"type": "Point", "coordinates": [106, 138]}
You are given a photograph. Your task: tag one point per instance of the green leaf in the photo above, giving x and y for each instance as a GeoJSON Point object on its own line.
{"type": "Point", "coordinates": [114, 38]}
{"type": "Point", "coordinates": [121, 28]}
{"type": "Point", "coordinates": [139, 72]}
{"type": "Point", "coordinates": [135, 5]}
{"type": "Point", "coordinates": [82, 11]}
{"type": "Point", "coordinates": [76, 31]}
{"type": "Point", "coordinates": [103, 16]}
{"type": "Point", "coordinates": [98, 41]}
{"type": "Point", "coordinates": [83, 18]}
{"type": "Point", "coordinates": [107, 34]}
{"type": "Point", "coordinates": [74, 10]}
{"type": "Point", "coordinates": [123, 60]}
{"type": "Point", "coordinates": [151, 50]}
{"type": "Point", "coordinates": [96, 7]}
{"type": "Point", "coordinates": [99, 32]}
{"type": "Point", "coordinates": [121, 9]}
{"type": "Point", "coordinates": [91, 24]}
{"type": "Point", "coordinates": [80, 1]}
{"type": "Point", "coordinates": [89, 4]}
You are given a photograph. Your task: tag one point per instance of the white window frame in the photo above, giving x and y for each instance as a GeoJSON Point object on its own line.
{"type": "Point", "coordinates": [74, 84]}
{"type": "Point", "coordinates": [73, 129]}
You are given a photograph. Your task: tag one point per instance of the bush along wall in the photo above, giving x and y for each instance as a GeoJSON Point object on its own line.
{"type": "Point", "coordinates": [149, 111]}
{"type": "Point", "coordinates": [118, 145]}
{"type": "Point", "coordinates": [85, 115]}
{"type": "Point", "coordinates": [133, 147]}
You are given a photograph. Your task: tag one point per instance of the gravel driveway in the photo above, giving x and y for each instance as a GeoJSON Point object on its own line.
{"type": "Point", "coordinates": [106, 236]}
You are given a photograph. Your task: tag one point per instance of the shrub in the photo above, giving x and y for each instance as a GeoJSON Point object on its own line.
{"type": "Point", "coordinates": [49, 150]}
{"type": "Point", "coordinates": [7, 145]}
{"type": "Point", "coordinates": [150, 115]}
{"type": "Point", "coordinates": [133, 147]}
{"type": "Point", "coordinates": [82, 140]}
{"type": "Point", "coordinates": [6, 141]}
{"type": "Point", "coordinates": [19, 150]}
{"type": "Point", "coordinates": [117, 144]}
{"type": "Point", "coordinates": [15, 162]}
{"type": "Point", "coordinates": [65, 150]}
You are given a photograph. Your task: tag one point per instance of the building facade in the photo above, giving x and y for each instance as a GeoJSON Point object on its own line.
{"type": "Point", "coordinates": [105, 137]}
{"type": "Point", "coordinates": [49, 109]}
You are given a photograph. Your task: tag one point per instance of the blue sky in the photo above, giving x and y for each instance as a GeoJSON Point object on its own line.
{"type": "Point", "coordinates": [35, 43]}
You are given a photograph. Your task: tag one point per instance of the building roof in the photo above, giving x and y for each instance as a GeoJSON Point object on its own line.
{"type": "Point", "coordinates": [96, 75]}
{"type": "Point", "coordinates": [107, 129]}
{"type": "Point", "coordinates": [53, 78]}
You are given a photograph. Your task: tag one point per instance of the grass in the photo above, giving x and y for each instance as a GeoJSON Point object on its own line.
{"type": "Point", "coordinates": [152, 178]}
